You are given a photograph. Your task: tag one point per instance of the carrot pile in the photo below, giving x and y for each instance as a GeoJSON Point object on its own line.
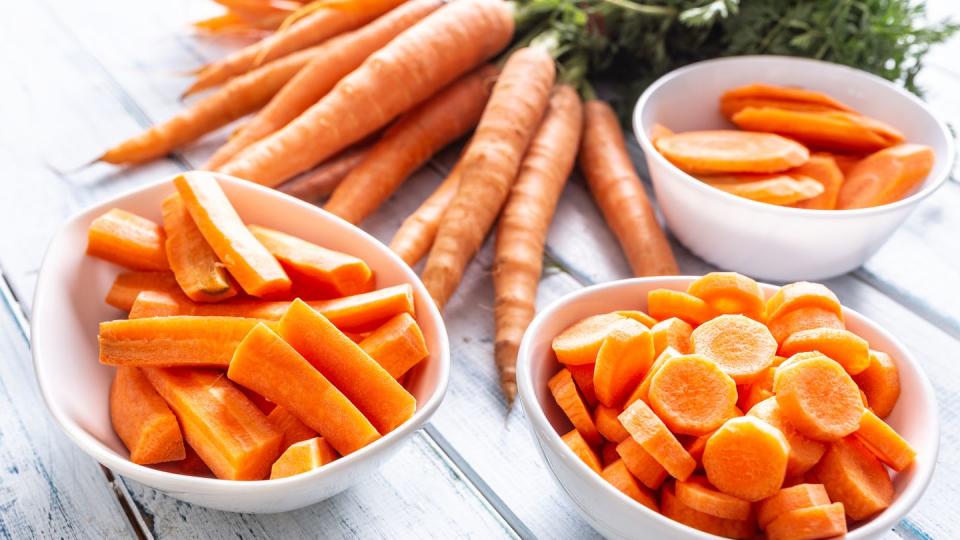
{"type": "Point", "coordinates": [733, 413]}
{"type": "Point", "coordinates": [799, 148]}
{"type": "Point", "coordinates": [248, 353]}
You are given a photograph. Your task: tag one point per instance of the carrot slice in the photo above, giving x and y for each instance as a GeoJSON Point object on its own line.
{"type": "Point", "coordinates": [822, 168]}
{"type": "Point", "coordinates": [804, 318]}
{"type": "Point", "coordinates": [271, 367]}
{"type": "Point", "coordinates": [293, 429]}
{"type": "Point", "coordinates": [638, 316]}
{"type": "Point", "coordinates": [673, 508]}
{"type": "Point", "coordinates": [575, 441]}
{"type": "Point", "coordinates": [848, 349]}
{"type": "Point", "coordinates": [641, 464]}
{"type": "Point", "coordinates": [697, 493]}
{"type": "Point", "coordinates": [789, 499]}
{"type": "Point", "coordinates": [397, 346]}
{"type": "Point", "coordinates": [605, 418]}
{"type": "Point", "coordinates": [731, 106]}
{"type": "Point", "coordinates": [659, 130]}
{"type": "Point", "coordinates": [200, 274]}
{"type": "Point", "coordinates": [254, 268]}
{"type": "Point", "coordinates": [665, 303]}
{"type": "Point", "coordinates": [818, 398]}
{"type": "Point", "coordinates": [643, 389]}
{"type": "Point", "coordinates": [128, 285]}
{"type": "Point", "coordinates": [316, 272]}
{"type": "Point", "coordinates": [746, 458]}
{"type": "Point", "coordinates": [833, 130]}
{"type": "Point", "coordinates": [231, 435]}
{"type": "Point", "coordinates": [191, 465]}
{"type": "Point", "coordinates": [127, 239]}
{"type": "Point", "coordinates": [672, 332]}
{"type": "Point", "coordinates": [886, 176]}
{"type": "Point", "coordinates": [742, 347]}
{"type": "Point", "coordinates": [381, 398]}
{"type": "Point", "coordinates": [695, 446]}
{"type": "Point", "coordinates": [730, 293]}
{"type": "Point", "coordinates": [811, 523]}
{"type": "Point", "coordinates": [692, 395]}
{"type": "Point", "coordinates": [853, 476]}
{"type": "Point", "coordinates": [800, 295]}
{"type": "Point", "coordinates": [618, 475]}
{"type": "Point", "coordinates": [880, 382]}
{"type": "Point", "coordinates": [884, 442]}
{"type": "Point", "coordinates": [782, 190]}
{"type": "Point", "coordinates": [565, 392]}
{"type": "Point", "coordinates": [785, 94]}
{"type": "Point", "coordinates": [142, 420]}
{"type": "Point", "coordinates": [580, 343]}
{"type": "Point", "coordinates": [624, 357]}
{"type": "Point", "coordinates": [155, 304]}
{"type": "Point", "coordinates": [302, 457]}
{"type": "Point", "coordinates": [648, 430]}
{"type": "Point", "coordinates": [720, 151]}
{"type": "Point", "coordinates": [583, 376]}
{"type": "Point", "coordinates": [757, 391]}
{"type": "Point", "coordinates": [804, 452]}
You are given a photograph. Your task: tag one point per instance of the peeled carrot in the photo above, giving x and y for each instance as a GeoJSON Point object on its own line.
{"type": "Point", "coordinates": [127, 239]}
{"type": "Point", "coordinates": [397, 346]}
{"type": "Point", "coordinates": [565, 393]}
{"type": "Point", "coordinates": [697, 493]}
{"type": "Point", "coordinates": [618, 475]}
{"type": "Point", "coordinates": [886, 176]}
{"type": "Point", "coordinates": [731, 106]}
{"type": "Point", "coordinates": [822, 168]}
{"type": "Point", "coordinates": [730, 293]}
{"type": "Point", "coordinates": [746, 458]}
{"type": "Point", "coordinates": [884, 442]}
{"type": "Point", "coordinates": [623, 359]}
{"type": "Point", "coordinates": [833, 130]}
{"type": "Point", "coordinates": [671, 507]}
{"type": "Point", "coordinates": [695, 446]}
{"type": "Point", "coordinates": [804, 318]}
{"type": "Point", "coordinates": [786, 94]}
{"type": "Point", "coordinates": [666, 303]}
{"type": "Point", "coordinates": [672, 332]}
{"type": "Point", "coordinates": [824, 521]}
{"type": "Point", "coordinates": [854, 477]}
{"type": "Point", "coordinates": [609, 425]}
{"type": "Point", "coordinates": [804, 452]}
{"type": "Point", "coordinates": [322, 179]}
{"type": "Point", "coordinates": [618, 192]}
{"type": "Point", "coordinates": [648, 430]}
{"type": "Point", "coordinates": [742, 347]}
{"type": "Point", "coordinates": [579, 344]}
{"type": "Point", "coordinates": [848, 349]}
{"type": "Point", "coordinates": [818, 397]}
{"type": "Point", "coordinates": [800, 295]}
{"type": "Point", "coordinates": [722, 151]}
{"type": "Point", "coordinates": [128, 285]}
{"type": "Point", "coordinates": [782, 190]}
{"type": "Point", "coordinates": [641, 464]}
{"type": "Point", "coordinates": [880, 382]}
{"type": "Point", "coordinates": [691, 395]}
{"type": "Point", "coordinates": [200, 274]}
{"type": "Point", "coordinates": [638, 316]}
{"type": "Point", "coordinates": [789, 499]}
{"type": "Point", "coordinates": [302, 457]}
{"type": "Point", "coordinates": [290, 426]}
{"type": "Point", "coordinates": [575, 441]}
{"type": "Point", "coordinates": [643, 389]}
{"type": "Point", "coordinates": [142, 419]}
{"type": "Point", "coordinates": [415, 236]}
{"type": "Point", "coordinates": [583, 377]}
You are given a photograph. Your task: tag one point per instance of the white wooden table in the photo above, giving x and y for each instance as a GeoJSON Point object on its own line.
{"type": "Point", "coordinates": [80, 76]}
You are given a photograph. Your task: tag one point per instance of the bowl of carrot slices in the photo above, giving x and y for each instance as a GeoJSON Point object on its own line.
{"type": "Point", "coordinates": [697, 407]}
{"type": "Point", "coordinates": [232, 346]}
{"type": "Point", "coordinates": [787, 168]}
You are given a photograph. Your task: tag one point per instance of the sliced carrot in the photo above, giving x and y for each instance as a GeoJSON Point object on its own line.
{"type": "Point", "coordinates": [605, 418]}
{"type": "Point", "coordinates": [652, 434]}
{"type": "Point", "coordinates": [565, 392]}
{"type": "Point", "coordinates": [200, 274]}
{"type": "Point", "coordinates": [804, 318]}
{"type": "Point", "coordinates": [261, 402]}
{"type": "Point", "coordinates": [638, 316]}
{"type": "Point", "coordinates": [254, 268]}
{"type": "Point", "coordinates": [575, 441]}
{"type": "Point", "coordinates": [692, 395]}
{"type": "Point", "coordinates": [848, 349]}
{"type": "Point", "coordinates": [799, 295]}
{"type": "Point", "coordinates": [884, 442]}
{"type": "Point", "coordinates": [293, 429]}
{"type": "Point", "coordinates": [697, 493]}
{"type": "Point", "coordinates": [271, 367]}
{"type": "Point", "coordinates": [316, 272]}
{"type": "Point", "coordinates": [580, 343]}
{"type": "Point", "coordinates": [731, 106]}
{"type": "Point", "coordinates": [746, 458]}
{"type": "Point", "coordinates": [742, 347]}
{"type": "Point", "coordinates": [381, 398]}
{"type": "Point", "coordinates": [818, 397]}
{"type": "Point", "coordinates": [853, 476]}
{"type": "Point", "coordinates": [128, 285]}
{"type": "Point", "coordinates": [643, 389]}
{"type": "Point", "coordinates": [720, 151]}
{"type": "Point", "coordinates": [641, 464]}
{"type": "Point", "coordinates": [624, 357]}
{"type": "Point", "coordinates": [397, 346]}
{"type": "Point", "coordinates": [673, 508]}
{"type": "Point", "coordinates": [811, 523]}
{"type": "Point", "coordinates": [127, 239]}
{"type": "Point", "coordinates": [142, 419]}
{"type": "Point", "coordinates": [833, 130]}
{"type": "Point", "coordinates": [231, 435]}
{"type": "Point", "coordinates": [730, 293]}
{"type": "Point", "coordinates": [302, 457]}
{"type": "Point", "coordinates": [804, 452]}
{"type": "Point", "coordinates": [886, 176]}
{"type": "Point", "coordinates": [659, 130]}
{"type": "Point", "coordinates": [880, 382]}
{"type": "Point", "coordinates": [154, 304]}
{"type": "Point", "coordinates": [583, 375]}
{"type": "Point", "coordinates": [695, 446]}
{"type": "Point", "coordinates": [822, 168]}
{"type": "Point", "coordinates": [665, 303]}
{"type": "Point", "coordinates": [672, 332]}
{"type": "Point", "coordinates": [782, 190]}
{"type": "Point", "coordinates": [618, 475]}
{"type": "Point", "coordinates": [757, 391]}
{"type": "Point", "coordinates": [786, 94]}
{"type": "Point", "coordinates": [789, 499]}
{"type": "Point", "coordinates": [191, 465]}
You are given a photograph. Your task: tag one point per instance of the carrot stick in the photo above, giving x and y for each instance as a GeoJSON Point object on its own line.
{"type": "Point", "coordinates": [142, 419]}
{"type": "Point", "coordinates": [618, 475]}
{"type": "Point", "coordinates": [415, 236]}
{"type": "Point", "coordinates": [823, 521]}
{"type": "Point", "coordinates": [708, 398]}
{"type": "Point", "coordinates": [397, 346]}
{"type": "Point", "coordinates": [730, 151]}
{"type": "Point", "coordinates": [697, 493]}
{"type": "Point", "coordinates": [746, 458]}
{"type": "Point", "coordinates": [574, 440]}
{"type": "Point", "coordinates": [321, 181]}
{"type": "Point", "coordinates": [200, 274]}
{"type": "Point", "coordinates": [337, 57]}
{"type": "Point", "coordinates": [648, 430]}
{"type": "Point", "coordinates": [618, 192]}
{"type": "Point", "coordinates": [303, 457]}
{"type": "Point", "coordinates": [523, 227]}
{"type": "Point", "coordinates": [880, 382]}
{"type": "Point", "coordinates": [789, 499]}
{"type": "Point", "coordinates": [127, 239]}
{"type": "Point", "coordinates": [490, 167]}
{"type": "Point", "coordinates": [467, 32]}
{"type": "Point", "coordinates": [854, 477]}
{"type": "Point", "coordinates": [565, 393]}
{"type": "Point", "coordinates": [886, 176]}
{"type": "Point", "coordinates": [884, 442]}
{"type": "Point", "coordinates": [848, 349]}
{"type": "Point", "coordinates": [742, 347]}
{"type": "Point", "coordinates": [128, 285]}
{"type": "Point", "coordinates": [412, 140]}
{"type": "Point", "coordinates": [641, 464]}
{"type": "Point", "coordinates": [293, 429]}
{"type": "Point", "coordinates": [818, 397]}
{"type": "Point", "coordinates": [804, 452]}
{"type": "Point", "coordinates": [730, 293]}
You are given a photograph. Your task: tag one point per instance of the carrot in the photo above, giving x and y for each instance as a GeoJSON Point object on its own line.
{"type": "Point", "coordinates": [757, 391]}
{"type": "Point", "coordinates": [490, 166]}
{"type": "Point", "coordinates": [824, 521]}
{"type": "Point", "coordinates": [648, 430]}
{"type": "Point", "coordinates": [880, 382]}
{"type": "Point", "coordinates": [886, 176]}
{"type": "Point", "coordinates": [575, 441]}
{"type": "Point", "coordinates": [579, 344]}
{"type": "Point", "coordinates": [800, 295]}
{"type": "Point", "coordinates": [336, 58]}
{"type": "Point", "coordinates": [671, 507]}
{"type": "Point", "coordinates": [638, 316]}
{"type": "Point", "coordinates": [781, 190]}
{"type": "Point", "coordinates": [565, 393]}
{"type": "Point", "coordinates": [608, 453]}
{"type": "Point", "coordinates": [831, 130]}
{"type": "Point", "coordinates": [127, 285]}
{"type": "Point", "coordinates": [605, 418]}
{"type": "Point", "coordinates": [303, 457]}
{"type": "Point", "coordinates": [142, 419]}
{"type": "Point", "coordinates": [722, 151]}
{"type": "Point", "coordinates": [784, 94]}
{"type": "Point", "coordinates": [731, 106]}
{"type": "Point", "coordinates": [290, 426]}
{"type": "Point", "coordinates": [397, 346]}
{"type": "Point", "coordinates": [818, 397]}
{"type": "Point", "coordinates": [884, 442]}
{"type": "Point", "coordinates": [789, 499]}
{"type": "Point", "coordinates": [271, 367]}
{"type": "Point", "coordinates": [848, 349]}
{"type": "Point", "coordinates": [254, 268]}
{"type": "Point", "coordinates": [623, 359]}
{"type": "Point", "coordinates": [643, 389]}
{"type": "Point", "coordinates": [666, 303]}
{"type": "Point", "coordinates": [127, 239]}
{"type": "Point", "coordinates": [692, 395]}
{"type": "Point", "coordinates": [617, 190]}
{"type": "Point", "coordinates": [741, 347]}
{"type": "Point", "coordinates": [583, 377]}
{"type": "Point", "coordinates": [804, 318]}
{"type": "Point", "coordinates": [695, 445]}
{"type": "Point", "coordinates": [191, 465]}
{"type": "Point", "coordinates": [231, 435]}
{"type": "Point", "coordinates": [381, 398]}
{"type": "Point", "coordinates": [416, 234]}
{"type": "Point", "coordinates": [262, 403]}
{"type": "Point", "coordinates": [746, 458]}
{"type": "Point", "coordinates": [854, 477]}
{"type": "Point", "coordinates": [618, 475]}
{"type": "Point", "coordinates": [641, 464]}
{"type": "Point", "coordinates": [697, 493]}
{"type": "Point", "coordinates": [659, 130]}
{"type": "Point", "coordinates": [321, 181]}
{"type": "Point", "coordinates": [804, 452]}
{"type": "Point", "coordinates": [523, 228]}
{"type": "Point", "coordinates": [730, 293]}
{"type": "Point", "coordinates": [822, 168]}
{"type": "Point", "coordinates": [366, 99]}
{"type": "Point", "coordinates": [845, 162]}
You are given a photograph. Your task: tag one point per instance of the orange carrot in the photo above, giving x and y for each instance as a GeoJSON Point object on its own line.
{"type": "Point", "coordinates": [565, 393]}
{"type": "Point", "coordinates": [824, 521]}
{"type": "Point", "coordinates": [608, 453]}
{"type": "Point", "coordinates": [648, 430]}
{"type": "Point", "coordinates": [848, 349]}
{"type": "Point", "coordinates": [780, 189]}
{"type": "Point", "coordinates": [638, 316]}
{"type": "Point", "coordinates": [609, 425]}
{"type": "Point", "coordinates": [128, 240]}
{"type": "Point", "coordinates": [742, 347]}
{"type": "Point", "coordinates": [804, 452]}
{"type": "Point", "coordinates": [671, 507]}
{"type": "Point", "coordinates": [618, 192]}
{"type": "Point", "coordinates": [128, 285]}
{"type": "Point", "coordinates": [415, 236]}
{"type": "Point", "coordinates": [880, 382]}
{"type": "Point", "coordinates": [583, 376]}
{"type": "Point", "coordinates": [659, 130]}
{"type": "Point", "coordinates": [643, 389]}
{"type": "Point", "coordinates": [730, 293]}
{"type": "Point", "coordinates": [818, 397]}
{"type": "Point", "coordinates": [833, 130]}
{"type": "Point", "coordinates": [142, 419]}
{"type": "Point", "coordinates": [623, 359]}
{"type": "Point", "coordinates": [697, 493]}
{"type": "Point", "coordinates": [191, 465]}
{"type": "Point", "coordinates": [845, 162]}
{"type": "Point", "coordinates": [804, 318]}
{"type": "Point", "coordinates": [397, 346]}
{"type": "Point", "coordinates": [579, 344]}
{"type": "Point", "coordinates": [722, 151]}
{"type": "Point", "coordinates": [822, 168]}
{"type": "Point", "coordinates": [799, 295]}
{"type": "Point", "coordinates": [641, 464]}
{"type": "Point", "coordinates": [854, 477]}
{"type": "Point", "coordinates": [783, 94]}
{"type": "Point", "coordinates": [884, 442]}
{"type": "Point", "coordinates": [618, 475]}
{"type": "Point", "coordinates": [692, 395]}
{"type": "Point", "coordinates": [731, 106]}
{"type": "Point", "coordinates": [320, 181]}
{"type": "Point", "coordinates": [789, 499]}
{"type": "Point", "coordinates": [200, 274]}
{"type": "Point", "coordinates": [293, 429]}
{"type": "Point", "coordinates": [746, 458]}
{"type": "Point", "coordinates": [302, 457]}
{"type": "Point", "coordinates": [886, 176]}
{"type": "Point", "coordinates": [666, 303]}
{"type": "Point", "coordinates": [574, 440]}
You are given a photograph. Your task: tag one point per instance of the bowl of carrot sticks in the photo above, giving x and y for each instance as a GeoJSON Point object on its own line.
{"type": "Point", "coordinates": [232, 346]}
{"type": "Point", "coordinates": [698, 407]}
{"type": "Point", "coordinates": [787, 168]}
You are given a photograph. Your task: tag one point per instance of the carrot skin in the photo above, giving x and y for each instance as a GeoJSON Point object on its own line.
{"type": "Point", "coordinates": [415, 236]}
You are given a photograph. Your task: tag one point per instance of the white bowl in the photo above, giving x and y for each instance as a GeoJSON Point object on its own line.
{"type": "Point", "coordinates": [762, 240]}
{"type": "Point", "coordinates": [69, 302]}
{"type": "Point", "coordinates": [615, 515]}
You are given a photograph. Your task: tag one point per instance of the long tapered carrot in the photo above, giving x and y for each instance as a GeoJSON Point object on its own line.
{"type": "Point", "coordinates": [490, 167]}
{"type": "Point", "coordinates": [620, 195]}
{"type": "Point", "coordinates": [410, 142]}
{"type": "Point", "coordinates": [338, 57]}
{"type": "Point", "coordinates": [420, 61]}
{"type": "Point", "coordinates": [416, 234]}
{"type": "Point", "coordinates": [321, 181]}
{"type": "Point", "coordinates": [523, 227]}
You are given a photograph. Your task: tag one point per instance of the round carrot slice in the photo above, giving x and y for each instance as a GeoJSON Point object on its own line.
{"type": "Point", "coordinates": [697, 493]}
{"type": "Point", "coordinates": [565, 392]}
{"type": "Point", "coordinates": [673, 508]}
{"type": "Point", "coordinates": [720, 151]}
{"type": "Point", "coordinates": [789, 499]}
{"type": "Point", "coordinates": [579, 343]}
{"type": "Point", "coordinates": [818, 398]}
{"type": "Point", "coordinates": [848, 349]}
{"type": "Point", "coordinates": [730, 293]}
{"type": "Point", "coordinates": [641, 464]}
{"type": "Point", "coordinates": [618, 475]}
{"type": "Point", "coordinates": [646, 428]}
{"type": "Point", "coordinates": [823, 521]}
{"type": "Point", "coordinates": [740, 346]}
{"type": "Point", "coordinates": [854, 477]}
{"type": "Point", "coordinates": [665, 303]}
{"type": "Point", "coordinates": [804, 452]}
{"type": "Point", "coordinates": [672, 332]}
{"type": "Point", "coordinates": [746, 458]}
{"type": "Point", "coordinates": [802, 294]}
{"type": "Point", "coordinates": [638, 316]}
{"type": "Point", "coordinates": [575, 441]}
{"type": "Point", "coordinates": [692, 395]}
{"type": "Point", "coordinates": [800, 319]}
{"type": "Point", "coordinates": [880, 382]}
{"type": "Point", "coordinates": [626, 354]}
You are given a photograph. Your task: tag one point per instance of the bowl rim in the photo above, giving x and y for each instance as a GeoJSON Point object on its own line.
{"type": "Point", "coordinates": [540, 424]}
{"type": "Point", "coordinates": [197, 484]}
{"type": "Point", "coordinates": [650, 151]}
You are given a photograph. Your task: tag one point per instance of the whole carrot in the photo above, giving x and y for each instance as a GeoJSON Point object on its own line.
{"type": "Point", "coordinates": [412, 67]}
{"type": "Point", "coordinates": [322, 180]}
{"type": "Point", "coordinates": [490, 167]}
{"type": "Point", "coordinates": [620, 195]}
{"type": "Point", "coordinates": [340, 55]}
{"type": "Point", "coordinates": [410, 142]}
{"type": "Point", "coordinates": [415, 236]}
{"type": "Point", "coordinates": [523, 227]}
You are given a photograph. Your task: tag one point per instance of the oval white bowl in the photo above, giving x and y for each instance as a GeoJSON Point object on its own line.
{"type": "Point", "coordinates": [69, 303]}
{"type": "Point", "coordinates": [615, 515]}
{"type": "Point", "coordinates": [763, 240]}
